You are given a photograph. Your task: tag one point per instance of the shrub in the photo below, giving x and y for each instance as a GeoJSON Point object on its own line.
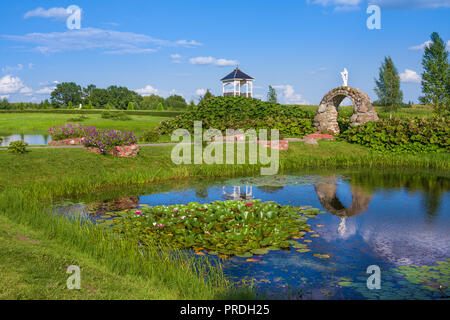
{"type": "Point", "coordinates": [106, 140]}
{"type": "Point", "coordinates": [115, 116]}
{"type": "Point", "coordinates": [80, 118]}
{"type": "Point", "coordinates": [69, 131]}
{"type": "Point", "coordinates": [242, 113]}
{"type": "Point", "coordinates": [403, 135]}
{"type": "Point", "coordinates": [150, 136]}
{"type": "Point", "coordinates": [18, 147]}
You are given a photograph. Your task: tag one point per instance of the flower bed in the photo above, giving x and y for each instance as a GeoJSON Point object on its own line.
{"type": "Point", "coordinates": [66, 142]}
{"type": "Point", "coordinates": [114, 142]}
{"type": "Point", "coordinates": [69, 132]}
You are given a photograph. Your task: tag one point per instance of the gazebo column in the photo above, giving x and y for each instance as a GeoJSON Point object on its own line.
{"type": "Point", "coordinates": [234, 88]}
{"type": "Point", "coordinates": [246, 91]}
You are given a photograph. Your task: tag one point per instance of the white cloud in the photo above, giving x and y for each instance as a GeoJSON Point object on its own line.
{"type": "Point", "coordinates": [10, 84]}
{"type": "Point", "coordinates": [421, 46]}
{"type": "Point", "coordinates": [46, 90]}
{"type": "Point", "coordinates": [176, 58]}
{"type": "Point", "coordinates": [4, 97]}
{"type": "Point", "coordinates": [147, 90]}
{"type": "Point", "coordinates": [289, 95]}
{"type": "Point", "coordinates": [188, 43]}
{"type": "Point", "coordinates": [57, 13]}
{"type": "Point", "coordinates": [213, 61]}
{"type": "Point", "coordinates": [349, 5]}
{"type": "Point", "coordinates": [410, 76]}
{"type": "Point", "coordinates": [8, 69]}
{"type": "Point", "coordinates": [112, 42]}
{"type": "Point", "coordinates": [200, 92]}
{"type": "Point", "coordinates": [26, 91]}
{"type": "Point", "coordinates": [411, 4]}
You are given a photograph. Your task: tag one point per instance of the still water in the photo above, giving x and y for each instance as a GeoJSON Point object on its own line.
{"type": "Point", "coordinates": [389, 220]}
{"type": "Point", "coordinates": [31, 139]}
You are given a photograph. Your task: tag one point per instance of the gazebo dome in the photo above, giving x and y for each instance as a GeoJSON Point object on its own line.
{"type": "Point", "coordinates": [238, 79]}
{"type": "Point", "coordinates": [237, 74]}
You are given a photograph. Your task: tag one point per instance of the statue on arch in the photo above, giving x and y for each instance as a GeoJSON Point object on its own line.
{"type": "Point", "coordinates": [344, 76]}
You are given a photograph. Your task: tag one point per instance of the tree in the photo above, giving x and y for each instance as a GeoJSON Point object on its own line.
{"type": "Point", "coordinates": [388, 86]}
{"type": "Point", "coordinates": [130, 106]}
{"type": "Point", "coordinates": [160, 107]}
{"type": "Point", "coordinates": [151, 102]}
{"type": "Point", "coordinates": [206, 96]}
{"type": "Point", "coordinates": [4, 104]}
{"type": "Point", "coordinates": [191, 105]}
{"type": "Point", "coordinates": [175, 102]}
{"type": "Point", "coordinates": [120, 97]}
{"type": "Point", "coordinates": [436, 75]}
{"type": "Point", "coordinates": [272, 95]}
{"type": "Point", "coordinates": [66, 92]}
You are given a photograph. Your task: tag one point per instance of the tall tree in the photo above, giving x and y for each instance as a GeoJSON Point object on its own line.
{"type": "Point", "coordinates": [388, 86]}
{"type": "Point", "coordinates": [175, 102]}
{"type": "Point", "coordinates": [206, 96]}
{"type": "Point", "coordinates": [436, 75]}
{"type": "Point", "coordinates": [66, 92]}
{"type": "Point", "coordinates": [272, 95]}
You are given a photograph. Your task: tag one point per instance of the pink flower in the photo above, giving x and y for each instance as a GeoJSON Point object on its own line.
{"type": "Point", "coordinates": [160, 225]}
{"type": "Point", "coordinates": [249, 204]}
{"type": "Point", "coordinates": [138, 213]}
{"type": "Point", "coordinates": [175, 210]}
{"type": "Point", "coordinates": [207, 232]}
{"type": "Point", "coordinates": [154, 224]}
{"type": "Point", "coordinates": [183, 217]}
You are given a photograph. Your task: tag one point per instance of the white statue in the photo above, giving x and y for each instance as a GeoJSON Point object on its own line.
{"type": "Point", "coordinates": [344, 76]}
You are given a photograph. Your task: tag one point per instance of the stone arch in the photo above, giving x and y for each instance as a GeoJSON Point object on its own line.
{"type": "Point", "coordinates": [326, 192]}
{"type": "Point", "coordinates": [327, 115]}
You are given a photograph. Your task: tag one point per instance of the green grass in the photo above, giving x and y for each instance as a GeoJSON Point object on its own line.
{"type": "Point", "coordinates": [30, 183]}
{"type": "Point", "coordinates": [39, 123]}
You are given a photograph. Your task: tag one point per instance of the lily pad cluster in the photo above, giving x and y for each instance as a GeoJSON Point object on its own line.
{"type": "Point", "coordinates": [240, 228]}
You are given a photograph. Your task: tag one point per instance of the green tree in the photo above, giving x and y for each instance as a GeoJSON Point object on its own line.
{"type": "Point", "coordinates": [4, 104]}
{"type": "Point", "coordinates": [130, 106]}
{"type": "Point", "coordinates": [388, 86]}
{"type": "Point", "coordinates": [206, 96]}
{"type": "Point", "coordinates": [191, 105]}
{"type": "Point", "coordinates": [272, 95]}
{"type": "Point", "coordinates": [175, 102]}
{"type": "Point", "coordinates": [151, 102]}
{"type": "Point", "coordinates": [66, 92]}
{"type": "Point", "coordinates": [160, 107]}
{"type": "Point", "coordinates": [436, 75]}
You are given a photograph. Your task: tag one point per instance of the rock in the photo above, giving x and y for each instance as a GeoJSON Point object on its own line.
{"type": "Point", "coordinates": [311, 142]}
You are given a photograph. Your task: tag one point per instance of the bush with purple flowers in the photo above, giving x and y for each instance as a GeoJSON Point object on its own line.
{"type": "Point", "coordinates": [69, 131]}
{"type": "Point", "coordinates": [106, 140]}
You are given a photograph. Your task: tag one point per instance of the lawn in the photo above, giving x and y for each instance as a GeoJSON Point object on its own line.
{"type": "Point", "coordinates": [39, 123]}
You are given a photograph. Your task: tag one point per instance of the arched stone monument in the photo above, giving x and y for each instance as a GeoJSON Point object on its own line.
{"type": "Point", "coordinates": [327, 115]}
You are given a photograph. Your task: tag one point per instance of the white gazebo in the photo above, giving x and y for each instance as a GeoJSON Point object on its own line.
{"type": "Point", "coordinates": [239, 81]}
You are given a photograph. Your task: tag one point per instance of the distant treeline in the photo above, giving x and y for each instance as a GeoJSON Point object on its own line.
{"type": "Point", "coordinates": [69, 95]}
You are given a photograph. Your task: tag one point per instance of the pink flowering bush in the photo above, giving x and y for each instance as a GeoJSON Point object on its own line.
{"type": "Point", "coordinates": [69, 131]}
{"type": "Point", "coordinates": [106, 140]}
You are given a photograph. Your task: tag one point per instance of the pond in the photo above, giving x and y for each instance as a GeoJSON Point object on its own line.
{"type": "Point", "coordinates": [31, 139]}
{"type": "Point", "coordinates": [397, 221]}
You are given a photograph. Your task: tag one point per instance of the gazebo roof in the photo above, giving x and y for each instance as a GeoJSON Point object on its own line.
{"type": "Point", "coordinates": [237, 74]}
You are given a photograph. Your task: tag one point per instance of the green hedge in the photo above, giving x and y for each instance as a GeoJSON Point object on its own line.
{"type": "Point", "coordinates": [403, 135]}
{"type": "Point", "coordinates": [100, 111]}
{"type": "Point", "coordinates": [243, 113]}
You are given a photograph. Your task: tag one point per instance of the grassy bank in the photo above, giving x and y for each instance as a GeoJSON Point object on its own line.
{"type": "Point", "coordinates": [39, 123]}
{"type": "Point", "coordinates": [31, 182]}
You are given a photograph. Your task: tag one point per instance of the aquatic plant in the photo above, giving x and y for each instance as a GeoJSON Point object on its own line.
{"type": "Point", "coordinates": [221, 227]}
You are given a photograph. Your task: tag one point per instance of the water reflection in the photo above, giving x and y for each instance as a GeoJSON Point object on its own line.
{"type": "Point", "coordinates": [31, 139]}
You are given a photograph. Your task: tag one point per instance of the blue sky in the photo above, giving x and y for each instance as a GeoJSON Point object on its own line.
{"type": "Point", "coordinates": [186, 46]}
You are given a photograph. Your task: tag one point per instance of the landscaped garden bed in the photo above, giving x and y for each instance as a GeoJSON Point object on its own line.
{"type": "Point", "coordinates": [113, 142]}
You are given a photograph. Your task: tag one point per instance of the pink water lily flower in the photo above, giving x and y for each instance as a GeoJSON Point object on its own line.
{"type": "Point", "coordinates": [154, 224]}
{"type": "Point", "coordinates": [207, 232]}
{"type": "Point", "coordinates": [183, 217]}
{"type": "Point", "coordinates": [175, 210]}
{"type": "Point", "coordinates": [249, 204]}
{"type": "Point", "coordinates": [160, 225]}
{"type": "Point", "coordinates": [138, 213]}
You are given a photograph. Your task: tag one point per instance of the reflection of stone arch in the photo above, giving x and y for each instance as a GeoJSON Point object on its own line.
{"type": "Point", "coordinates": [326, 117]}
{"type": "Point", "coordinates": [326, 192]}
